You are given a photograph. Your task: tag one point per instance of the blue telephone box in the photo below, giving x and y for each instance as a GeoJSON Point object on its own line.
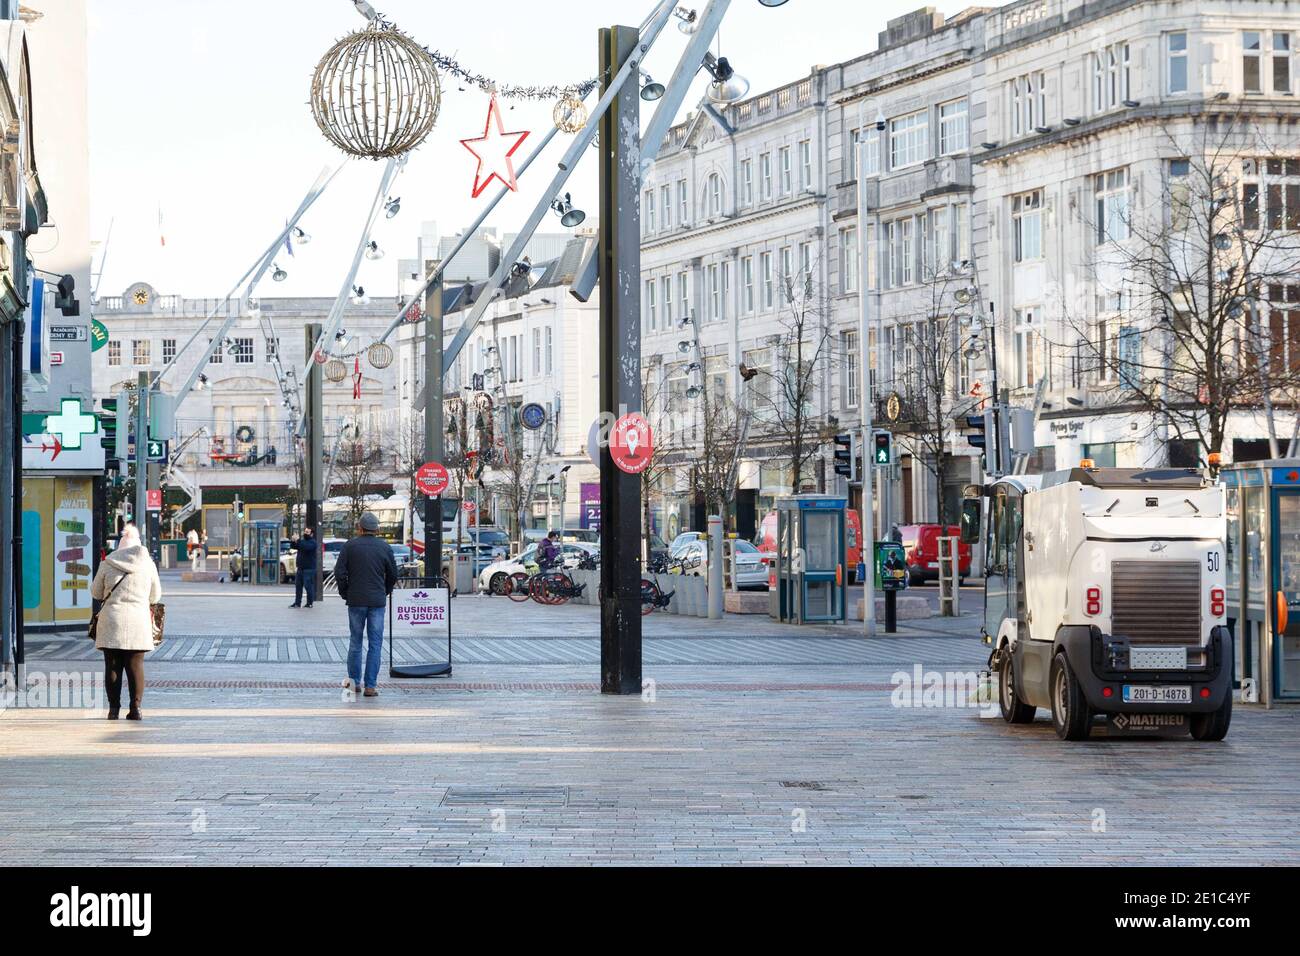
{"type": "Point", "coordinates": [811, 551]}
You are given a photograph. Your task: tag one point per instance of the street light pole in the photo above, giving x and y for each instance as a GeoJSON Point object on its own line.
{"type": "Point", "coordinates": [434, 436]}
{"type": "Point", "coordinates": [868, 532]}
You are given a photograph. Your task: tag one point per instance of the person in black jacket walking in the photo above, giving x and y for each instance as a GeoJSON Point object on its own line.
{"type": "Point", "coordinates": [366, 573]}
{"type": "Point", "coordinates": [305, 578]}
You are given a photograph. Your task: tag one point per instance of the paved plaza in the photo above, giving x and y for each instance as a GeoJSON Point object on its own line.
{"type": "Point", "coordinates": [754, 743]}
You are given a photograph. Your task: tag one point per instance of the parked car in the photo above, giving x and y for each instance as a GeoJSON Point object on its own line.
{"type": "Point", "coordinates": [493, 577]}
{"type": "Point", "coordinates": [766, 539]}
{"type": "Point", "coordinates": [921, 547]}
{"type": "Point", "coordinates": [408, 563]}
{"type": "Point", "coordinates": [751, 570]}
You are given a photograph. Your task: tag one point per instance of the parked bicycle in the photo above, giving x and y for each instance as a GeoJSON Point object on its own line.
{"type": "Point", "coordinates": [652, 598]}
{"type": "Point", "coordinates": [544, 587]}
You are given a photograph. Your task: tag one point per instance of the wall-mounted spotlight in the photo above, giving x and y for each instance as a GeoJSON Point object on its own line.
{"type": "Point", "coordinates": [392, 206]}
{"type": "Point", "coordinates": [687, 20]}
{"type": "Point", "coordinates": [359, 296]}
{"type": "Point", "coordinates": [279, 275]}
{"type": "Point", "coordinates": [569, 216]}
{"type": "Point", "coordinates": [728, 85]}
{"type": "Point", "coordinates": [300, 237]}
{"type": "Point", "coordinates": [521, 268]}
{"type": "Point", "coordinates": [373, 251]}
{"type": "Point", "coordinates": [694, 391]}
{"type": "Point", "coordinates": [650, 90]}
{"type": "Point", "coordinates": [685, 345]}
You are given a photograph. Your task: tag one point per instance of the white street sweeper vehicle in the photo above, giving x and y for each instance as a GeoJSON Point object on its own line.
{"type": "Point", "coordinates": [1105, 594]}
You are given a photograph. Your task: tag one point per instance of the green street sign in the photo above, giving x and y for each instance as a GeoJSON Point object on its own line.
{"type": "Point", "coordinates": [98, 335]}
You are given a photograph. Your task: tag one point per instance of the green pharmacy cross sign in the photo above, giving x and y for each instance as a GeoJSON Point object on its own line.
{"type": "Point", "coordinates": [71, 423]}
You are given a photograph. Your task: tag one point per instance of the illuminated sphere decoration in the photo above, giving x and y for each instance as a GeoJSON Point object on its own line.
{"type": "Point", "coordinates": [376, 93]}
{"type": "Point", "coordinates": [570, 113]}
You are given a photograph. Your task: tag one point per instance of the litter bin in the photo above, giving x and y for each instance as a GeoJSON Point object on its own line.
{"type": "Point", "coordinates": [463, 565]}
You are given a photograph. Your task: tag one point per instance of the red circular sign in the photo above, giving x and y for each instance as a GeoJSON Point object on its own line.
{"type": "Point", "coordinates": [630, 443]}
{"type": "Point", "coordinates": [467, 506]}
{"type": "Point", "coordinates": [431, 479]}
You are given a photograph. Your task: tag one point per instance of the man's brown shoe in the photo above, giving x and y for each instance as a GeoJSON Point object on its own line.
{"type": "Point", "coordinates": [372, 692]}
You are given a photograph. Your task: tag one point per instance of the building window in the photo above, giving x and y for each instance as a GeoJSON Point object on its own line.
{"type": "Point", "coordinates": [666, 200]}
{"type": "Point", "coordinates": [871, 158]}
{"type": "Point", "coordinates": [683, 203]}
{"type": "Point", "coordinates": [550, 351]}
{"type": "Point", "coordinates": [1179, 194]}
{"type": "Point", "coordinates": [114, 352]}
{"type": "Point", "coordinates": [1028, 103]}
{"type": "Point", "coordinates": [140, 349]}
{"type": "Point", "coordinates": [537, 351]}
{"type": "Point", "coordinates": [852, 377]}
{"type": "Point", "coordinates": [1277, 180]}
{"type": "Point", "coordinates": [243, 351]}
{"type": "Point", "coordinates": [806, 263]}
{"type": "Point", "coordinates": [651, 316]}
{"type": "Point", "coordinates": [765, 176]}
{"type": "Point", "coordinates": [849, 260]}
{"type": "Point", "coordinates": [218, 355]}
{"type": "Point", "coordinates": [1266, 61]}
{"type": "Point", "coordinates": [1027, 224]}
{"type": "Point", "coordinates": [953, 135]}
{"type": "Point", "coordinates": [715, 195]}
{"type": "Point", "coordinates": [805, 164]}
{"type": "Point", "coordinates": [873, 251]}
{"type": "Point", "coordinates": [1176, 62]}
{"type": "Point", "coordinates": [715, 295]}
{"type": "Point", "coordinates": [769, 291]}
{"type": "Point", "coordinates": [1112, 203]}
{"type": "Point", "coordinates": [168, 351]}
{"type": "Point", "coordinates": [909, 139]}
{"type": "Point", "coordinates": [747, 182]}
{"type": "Point", "coordinates": [649, 210]}
{"type": "Point", "coordinates": [787, 175]}
{"type": "Point", "coordinates": [683, 294]}
{"type": "Point", "coordinates": [747, 284]}
{"type": "Point", "coordinates": [1284, 329]}
{"type": "Point", "coordinates": [787, 272]}
{"type": "Point", "coordinates": [1026, 346]}
{"type": "Point", "coordinates": [1110, 77]}
{"type": "Point", "coordinates": [666, 288]}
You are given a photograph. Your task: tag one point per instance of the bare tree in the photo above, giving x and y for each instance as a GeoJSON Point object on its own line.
{"type": "Point", "coordinates": [784, 401]}
{"type": "Point", "coordinates": [666, 450]}
{"type": "Point", "coordinates": [719, 430]}
{"type": "Point", "coordinates": [508, 480]}
{"type": "Point", "coordinates": [360, 463]}
{"type": "Point", "coordinates": [1205, 318]}
{"type": "Point", "coordinates": [932, 405]}
{"type": "Point", "coordinates": [408, 450]}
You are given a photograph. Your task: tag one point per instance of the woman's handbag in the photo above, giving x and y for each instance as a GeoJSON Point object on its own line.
{"type": "Point", "coordinates": [159, 614]}
{"type": "Point", "coordinates": [94, 618]}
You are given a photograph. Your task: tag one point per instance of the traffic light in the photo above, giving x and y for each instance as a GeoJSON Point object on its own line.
{"type": "Point", "coordinates": [115, 422]}
{"type": "Point", "coordinates": [882, 444]}
{"type": "Point", "coordinates": [846, 456]}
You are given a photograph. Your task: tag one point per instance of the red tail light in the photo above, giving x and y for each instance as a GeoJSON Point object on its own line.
{"type": "Point", "coordinates": [1217, 606]}
{"type": "Point", "coordinates": [1092, 601]}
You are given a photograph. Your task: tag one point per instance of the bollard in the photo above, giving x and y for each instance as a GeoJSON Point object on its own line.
{"type": "Point", "coordinates": [891, 612]}
{"type": "Point", "coordinates": [715, 567]}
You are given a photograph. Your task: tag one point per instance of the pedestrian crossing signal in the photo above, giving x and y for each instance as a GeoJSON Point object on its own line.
{"type": "Point", "coordinates": [882, 448]}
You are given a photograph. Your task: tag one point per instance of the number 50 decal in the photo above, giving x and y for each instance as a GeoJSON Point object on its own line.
{"type": "Point", "coordinates": [1212, 561]}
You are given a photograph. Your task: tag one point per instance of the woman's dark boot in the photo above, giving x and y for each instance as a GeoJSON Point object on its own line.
{"type": "Point", "coordinates": [133, 714]}
{"type": "Point", "coordinates": [113, 712]}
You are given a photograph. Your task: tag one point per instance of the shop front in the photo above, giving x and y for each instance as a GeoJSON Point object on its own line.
{"type": "Point", "coordinates": [62, 500]}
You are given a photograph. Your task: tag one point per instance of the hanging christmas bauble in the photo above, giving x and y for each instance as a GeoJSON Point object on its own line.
{"type": "Point", "coordinates": [335, 370]}
{"type": "Point", "coordinates": [376, 93]}
{"type": "Point", "coordinates": [570, 113]}
{"type": "Point", "coordinates": [380, 355]}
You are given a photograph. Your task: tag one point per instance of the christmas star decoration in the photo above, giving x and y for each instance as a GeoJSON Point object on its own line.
{"type": "Point", "coordinates": [494, 150]}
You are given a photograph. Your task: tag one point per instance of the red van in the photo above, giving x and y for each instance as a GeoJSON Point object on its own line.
{"type": "Point", "coordinates": [921, 543]}
{"type": "Point", "coordinates": [766, 539]}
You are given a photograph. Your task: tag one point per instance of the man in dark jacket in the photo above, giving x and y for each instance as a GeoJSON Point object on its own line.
{"type": "Point", "coordinates": [305, 579]}
{"type": "Point", "coordinates": [366, 573]}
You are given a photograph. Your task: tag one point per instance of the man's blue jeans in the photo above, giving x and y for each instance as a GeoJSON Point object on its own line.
{"type": "Point", "coordinates": [305, 580]}
{"type": "Point", "coordinates": [360, 620]}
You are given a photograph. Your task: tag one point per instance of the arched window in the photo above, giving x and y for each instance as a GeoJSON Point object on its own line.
{"type": "Point", "coordinates": [713, 195]}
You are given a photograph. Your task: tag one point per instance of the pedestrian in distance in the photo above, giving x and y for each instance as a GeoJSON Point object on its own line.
{"type": "Point", "coordinates": [307, 548]}
{"type": "Point", "coordinates": [895, 535]}
{"type": "Point", "coordinates": [203, 551]}
{"type": "Point", "coordinates": [548, 552]}
{"type": "Point", "coordinates": [192, 546]}
{"type": "Point", "coordinates": [366, 573]}
{"type": "Point", "coordinates": [127, 585]}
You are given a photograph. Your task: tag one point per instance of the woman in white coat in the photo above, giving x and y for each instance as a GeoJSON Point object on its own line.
{"type": "Point", "coordinates": [127, 582]}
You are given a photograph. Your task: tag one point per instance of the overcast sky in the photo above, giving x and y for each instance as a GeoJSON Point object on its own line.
{"type": "Point", "coordinates": [199, 108]}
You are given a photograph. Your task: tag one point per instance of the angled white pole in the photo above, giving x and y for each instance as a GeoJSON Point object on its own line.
{"type": "Point", "coordinates": [630, 68]}
{"type": "Point", "coordinates": [259, 266]}
{"type": "Point", "coordinates": [675, 93]}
